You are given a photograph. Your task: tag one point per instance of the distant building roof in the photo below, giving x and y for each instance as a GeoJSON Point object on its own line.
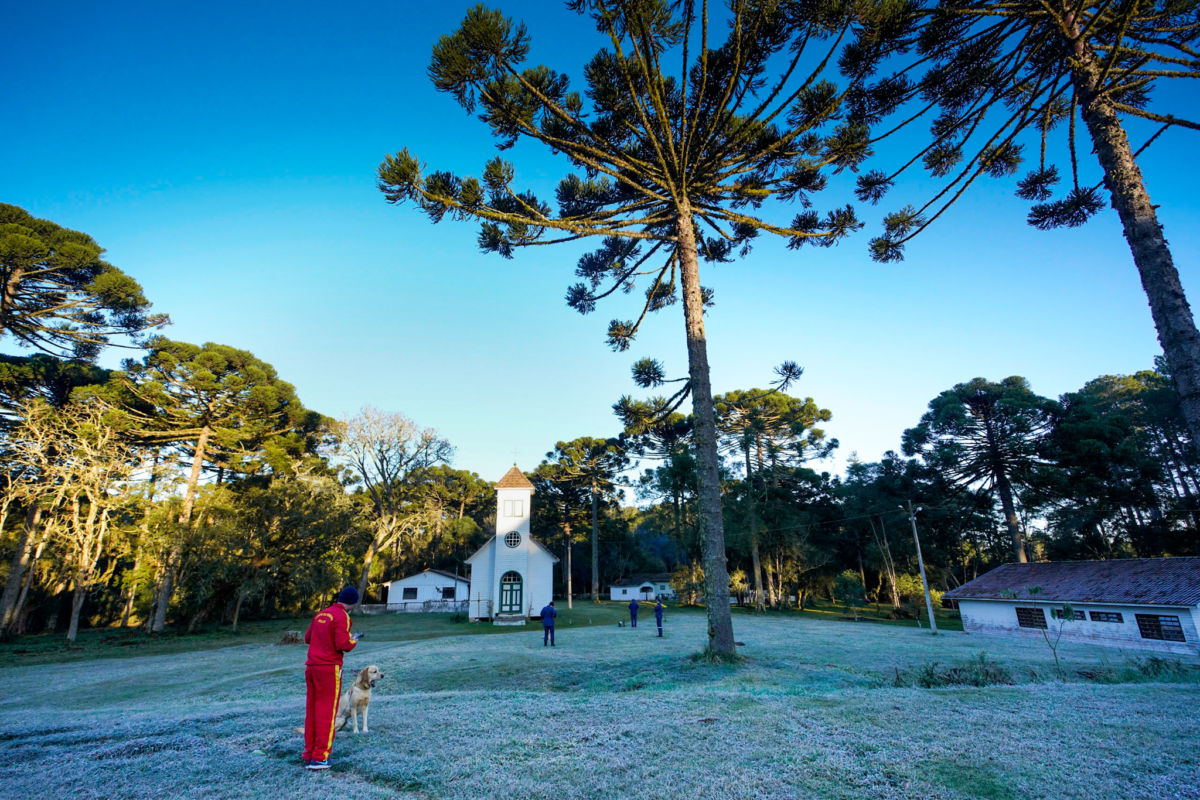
{"type": "Point", "coordinates": [514, 479]}
{"type": "Point", "coordinates": [441, 572]}
{"type": "Point", "coordinates": [638, 580]}
{"type": "Point", "coordinates": [1134, 581]}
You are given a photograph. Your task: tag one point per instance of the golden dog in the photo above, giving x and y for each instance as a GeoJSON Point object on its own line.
{"type": "Point", "coordinates": [357, 699]}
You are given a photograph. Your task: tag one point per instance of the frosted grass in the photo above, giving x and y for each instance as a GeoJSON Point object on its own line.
{"type": "Point", "coordinates": [610, 713]}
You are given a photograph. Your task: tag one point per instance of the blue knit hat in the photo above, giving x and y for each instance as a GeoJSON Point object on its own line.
{"type": "Point", "coordinates": [349, 596]}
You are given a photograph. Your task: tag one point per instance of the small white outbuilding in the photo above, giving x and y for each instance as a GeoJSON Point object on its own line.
{"type": "Point", "coordinates": [512, 575]}
{"type": "Point", "coordinates": [431, 590]}
{"type": "Point", "coordinates": [1142, 603]}
{"type": "Point", "coordinates": [655, 586]}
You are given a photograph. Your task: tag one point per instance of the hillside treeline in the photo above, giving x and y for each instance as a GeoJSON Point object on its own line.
{"type": "Point", "coordinates": [991, 473]}
{"type": "Point", "coordinates": [193, 488]}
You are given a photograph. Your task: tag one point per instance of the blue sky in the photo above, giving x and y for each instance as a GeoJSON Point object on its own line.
{"type": "Point", "coordinates": [224, 154]}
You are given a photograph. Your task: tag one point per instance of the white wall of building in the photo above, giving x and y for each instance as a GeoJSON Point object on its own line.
{"type": "Point", "coordinates": [1000, 617]}
{"type": "Point", "coordinates": [652, 590]}
{"type": "Point", "coordinates": [415, 591]}
{"type": "Point", "coordinates": [482, 565]}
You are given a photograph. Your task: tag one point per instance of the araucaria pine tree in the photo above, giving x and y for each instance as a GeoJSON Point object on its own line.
{"type": "Point", "coordinates": [1001, 74]}
{"type": "Point", "coordinates": [674, 147]}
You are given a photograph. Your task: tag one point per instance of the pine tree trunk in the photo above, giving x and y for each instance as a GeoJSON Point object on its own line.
{"type": "Point", "coordinates": [712, 529]}
{"type": "Point", "coordinates": [1004, 489]}
{"type": "Point", "coordinates": [167, 588]}
{"type": "Point", "coordinates": [237, 609]}
{"type": "Point", "coordinates": [131, 593]}
{"type": "Point", "coordinates": [752, 513]}
{"type": "Point", "coordinates": [17, 625]}
{"type": "Point", "coordinates": [569, 588]}
{"type": "Point", "coordinates": [197, 618]}
{"type": "Point", "coordinates": [16, 571]}
{"type": "Point", "coordinates": [368, 559]}
{"type": "Point", "coordinates": [155, 590]}
{"type": "Point", "coordinates": [189, 496]}
{"type": "Point", "coordinates": [77, 598]}
{"type": "Point", "coordinates": [595, 549]}
{"type": "Point", "coordinates": [1160, 280]}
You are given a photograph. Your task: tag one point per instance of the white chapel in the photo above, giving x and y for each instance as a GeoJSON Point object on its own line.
{"type": "Point", "coordinates": [512, 575]}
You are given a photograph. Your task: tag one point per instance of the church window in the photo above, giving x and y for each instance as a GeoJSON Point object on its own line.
{"type": "Point", "coordinates": [514, 508]}
{"type": "Point", "coordinates": [512, 538]}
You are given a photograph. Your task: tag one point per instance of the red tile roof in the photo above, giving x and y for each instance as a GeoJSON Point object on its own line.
{"type": "Point", "coordinates": [1133, 581]}
{"type": "Point", "coordinates": [514, 479]}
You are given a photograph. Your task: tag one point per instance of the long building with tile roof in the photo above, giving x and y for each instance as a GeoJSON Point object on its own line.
{"type": "Point", "coordinates": [1146, 603]}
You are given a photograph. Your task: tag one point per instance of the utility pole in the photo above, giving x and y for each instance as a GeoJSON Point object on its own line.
{"type": "Point", "coordinates": [912, 518]}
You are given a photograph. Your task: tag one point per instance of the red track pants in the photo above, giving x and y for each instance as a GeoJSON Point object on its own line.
{"type": "Point", "coordinates": [324, 685]}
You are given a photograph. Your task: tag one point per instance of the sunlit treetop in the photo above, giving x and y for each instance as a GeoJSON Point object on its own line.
{"type": "Point", "coordinates": [995, 76]}
{"type": "Point", "coordinates": [58, 295]}
{"type": "Point", "coordinates": [667, 127]}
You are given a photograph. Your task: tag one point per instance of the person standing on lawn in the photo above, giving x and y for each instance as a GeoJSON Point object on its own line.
{"type": "Point", "coordinates": [548, 615]}
{"type": "Point", "coordinates": [633, 609]}
{"type": "Point", "coordinates": [658, 609]}
{"type": "Point", "coordinates": [328, 638]}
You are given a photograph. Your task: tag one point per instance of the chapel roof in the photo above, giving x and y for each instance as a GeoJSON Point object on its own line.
{"type": "Point", "coordinates": [1135, 581]}
{"type": "Point", "coordinates": [514, 479]}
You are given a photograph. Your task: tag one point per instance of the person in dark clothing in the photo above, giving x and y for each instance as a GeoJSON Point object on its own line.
{"type": "Point", "coordinates": [658, 609]}
{"type": "Point", "coordinates": [633, 609]}
{"type": "Point", "coordinates": [548, 615]}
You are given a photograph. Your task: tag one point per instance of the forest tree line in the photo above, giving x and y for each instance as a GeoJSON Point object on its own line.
{"type": "Point", "coordinates": [192, 488]}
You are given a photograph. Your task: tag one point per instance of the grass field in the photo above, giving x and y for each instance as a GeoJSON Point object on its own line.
{"type": "Point", "coordinates": [819, 708]}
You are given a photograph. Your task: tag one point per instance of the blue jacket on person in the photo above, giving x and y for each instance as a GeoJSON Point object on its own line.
{"type": "Point", "coordinates": [548, 615]}
{"type": "Point", "coordinates": [633, 607]}
{"type": "Point", "coordinates": [658, 609]}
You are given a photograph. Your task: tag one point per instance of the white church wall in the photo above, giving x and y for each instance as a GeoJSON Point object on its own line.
{"type": "Point", "coordinates": [533, 563]}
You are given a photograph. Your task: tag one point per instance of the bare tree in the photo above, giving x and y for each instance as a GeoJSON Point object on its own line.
{"type": "Point", "coordinates": [383, 450]}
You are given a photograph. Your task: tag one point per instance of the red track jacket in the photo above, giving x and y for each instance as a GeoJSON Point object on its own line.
{"type": "Point", "coordinates": [328, 637]}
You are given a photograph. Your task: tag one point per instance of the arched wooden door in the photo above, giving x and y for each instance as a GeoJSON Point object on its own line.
{"type": "Point", "coordinates": [510, 593]}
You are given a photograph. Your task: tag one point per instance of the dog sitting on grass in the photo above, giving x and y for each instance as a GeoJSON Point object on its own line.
{"type": "Point", "coordinates": [357, 699]}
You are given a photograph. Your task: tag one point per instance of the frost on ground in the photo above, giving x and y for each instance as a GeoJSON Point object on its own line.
{"type": "Point", "coordinates": [813, 712]}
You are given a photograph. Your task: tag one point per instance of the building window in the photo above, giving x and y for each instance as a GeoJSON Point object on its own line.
{"type": "Point", "coordinates": [1155, 626]}
{"type": "Point", "coordinates": [1061, 613]}
{"type": "Point", "coordinates": [1107, 616]}
{"type": "Point", "coordinates": [410, 593]}
{"type": "Point", "coordinates": [447, 592]}
{"type": "Point", "coordinates": [1031, 617]}
{"type": "Point", "coordinates": [514, 508]}
{"type": "Point", "coordinates": [512, 538]}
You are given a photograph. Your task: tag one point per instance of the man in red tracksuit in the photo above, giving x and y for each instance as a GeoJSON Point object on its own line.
{"type": "Point", "coordinates": [328, 637]}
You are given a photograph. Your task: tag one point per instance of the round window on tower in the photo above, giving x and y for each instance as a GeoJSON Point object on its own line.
{"type": "Point", "coordinates": [512, 538]}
